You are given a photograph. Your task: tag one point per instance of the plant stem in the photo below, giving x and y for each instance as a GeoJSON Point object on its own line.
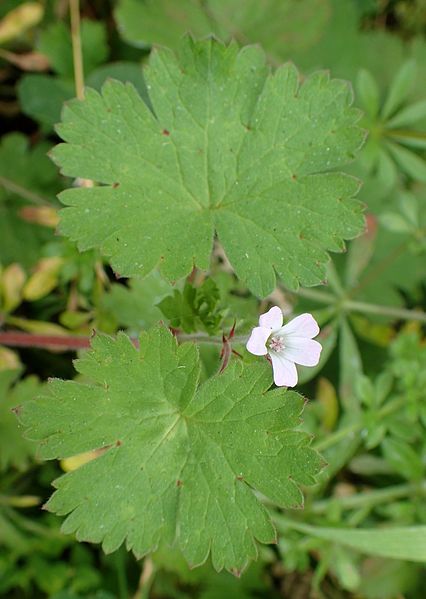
{"type": "Point", "coordinates": [323, 297]}
{"type": "Point", "coordinates": [76, 48]}
{"type": "Point", "coordinates": [282, 521]}
{"type": "Point", "coordinates": [26, 194]}
{"type": "Point", "coordinates": [369, 498]}
{"type": "Point", "coordinates": [398, 313]}
{"type": "Point", "coordinates": [76, 342]}
{"type": "Point", "coordinates": [30, 525]}
{"type": "Point", "coordinates": [405, 133]}
{"type": "Point", "coordinates": [364, 307]}
{"type": "Point", "coordinates": [19, 501]}
{"type": "Point", "coordinates": [64, 342]}
{"type": "Point", "coordinates": [355, 427]}
{"type": "Point", "coordinates": [120, 566]}
{"type": "Point", "coordinates": [203, 338]}
{"type": "Point", "coordinates": [337, 436]}
{"type": "Point", "coordinates": [146, 579]}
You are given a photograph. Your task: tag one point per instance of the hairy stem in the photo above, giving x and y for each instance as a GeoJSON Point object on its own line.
{"type": "Point", "coordinates": [370, 498]}
{"type": "Point", "coordinates": [76, 342]}
{"type": "Point", "coordinates": [405, 133]}
{"type": "Point", "coordinates": [63, 342]}
{"type": "Point", "coordinates": [76, 48]}
{"type": "Point", "coordinates": [203, 338]}
{"type": "Point", "coordinates": [146, 579]}
{"type": "Point", "coordinates": [354, 306]}
{"type": "Point", "coordinates": [322, 297]}
{"type": "Point", "coordinates": [398, 313]}
{"type": "Point", "coordinates": [24, 193]}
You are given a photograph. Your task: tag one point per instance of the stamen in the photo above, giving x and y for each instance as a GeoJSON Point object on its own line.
{"type": "Point", "coordinates": [276, 344]}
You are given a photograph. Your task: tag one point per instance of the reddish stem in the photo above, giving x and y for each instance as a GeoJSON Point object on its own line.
{"type": "Point", "coordinates": [64, 342]}
{"type": "Point", "coordinates": [75, 342]}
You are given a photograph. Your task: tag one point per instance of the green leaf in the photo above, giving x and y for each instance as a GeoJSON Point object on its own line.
{"type": "Point", "coordinates": [387, 171]}
{"type": "Point", "coordinates": [410, 115]}
{"type": "Point", "coordinates": [194, 308]}
{"type": "Point", "coordinates": [147, 22]}
{"type": "Point", "coordinates": [13, 539]}
{"type": "Point", "coordinates": [395, 222]}
{"type": "Point", "coordinates": [389, 578]}
{"type": "Point", "coordinates": [400, 88]}
{"type": "Point", "coordinates": [411, 139]}
{"type": "Point", "coordinates": [232, 148]}
{"type": "Point", "coordinates": [42, 97]}
{"type": "Point", "coordinates": [410, 205]}
{"type": "Point", "coordinates": [94, 43]}
{"type": "Point", "coordinates": [26, 167]}
{"type": "Point", "coordinates": [241, 305]}
{"type": "Point", "coordinates": [180, 463]}
{"type": "Point", "coordinates": [343, 564]}
{"type": "Point", "coordinates": [281, 26]}
{"type": "Point", "coordinates": [350, 366]}
{"type": "Point", "coordinates": [26, 176]}
{"type": "Point", "coordinates": [409, 162]}
{"type": "Point", "coordinates": [368, 92]}
{"type": "Point", "coordinates": [392, 267]}
{"type": "Point", "coordinates": [403, 458]}
{"type": "Point", "coordinates": [122, 71]}
{"type": "Point", "coordinates": [55, 43]}
{"type": "Point", "coordinates": [361, 250]}
{"type": "Point", "coordinates": [14, 450]}
{"type": "Point", "coordinates": [135, 307]}
{"type": "Point", "coordinates": [404, 543]}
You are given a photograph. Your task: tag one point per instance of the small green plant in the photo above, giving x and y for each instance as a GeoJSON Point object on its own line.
{"type": "Point", "coordinates": [236, 261]}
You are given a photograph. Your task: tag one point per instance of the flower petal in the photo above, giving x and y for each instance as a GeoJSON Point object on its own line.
{"type": "Point", "coordinates": [285, 373]}
{"type": "Point", "coordinates": [304, 325]}
{"type": "Point", "coordinates": [273, 319]}
{"type": "Point", "coordinates": [305, 352]}
{"type": "Point", "coordinates": [258, 338]}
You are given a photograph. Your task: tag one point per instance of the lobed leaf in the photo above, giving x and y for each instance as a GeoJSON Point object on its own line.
{"type": "Point", "coordinates": [180, 461]}
{"type": "Point", "coordinates": [231, 148]}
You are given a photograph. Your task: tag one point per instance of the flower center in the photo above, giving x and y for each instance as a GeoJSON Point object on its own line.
{"type": "Point", "coordinates": [276, 344]}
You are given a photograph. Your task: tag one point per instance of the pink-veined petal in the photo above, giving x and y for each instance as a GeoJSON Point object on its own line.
{"type": "Point", "coordinates": [273, 319]}
{"type": "Point", "coordinates": [257, 342]}
{"type": "Point", "coordinates": [285, 373]}
{"type": "Point", "coordinates": [304, 325]}
{"type": "Point", "coordinates": [305, 352]}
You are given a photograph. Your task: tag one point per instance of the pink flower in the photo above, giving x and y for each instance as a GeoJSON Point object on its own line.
{"type": "Point", "coordinates": [286, 345]}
